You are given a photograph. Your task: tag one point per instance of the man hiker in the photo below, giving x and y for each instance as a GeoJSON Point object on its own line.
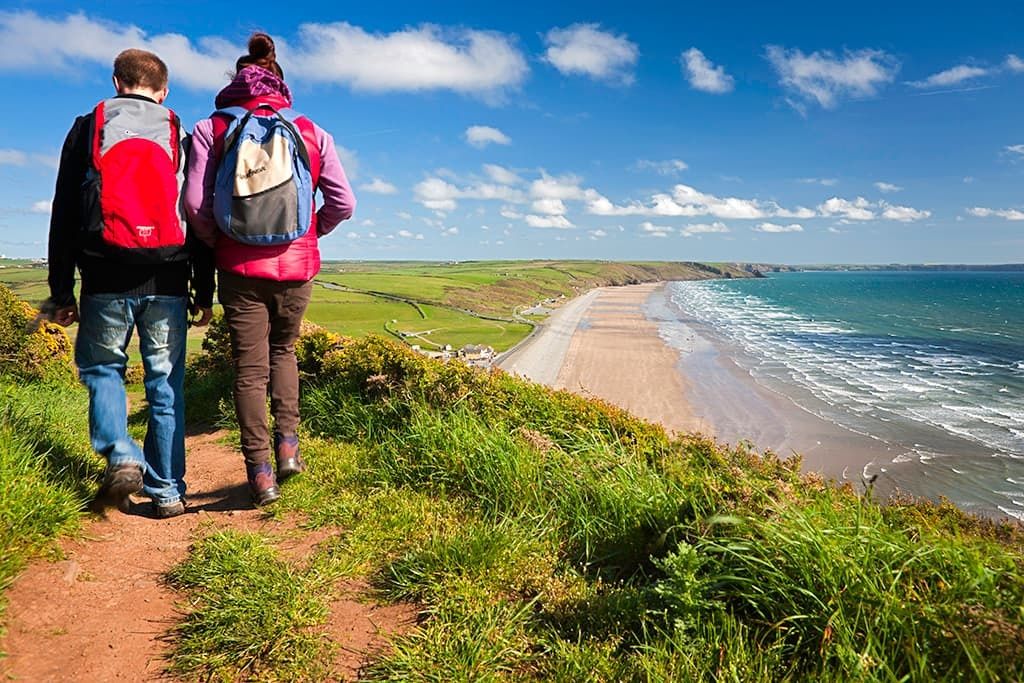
{"type": "Point", "coordinates": [116, 217]}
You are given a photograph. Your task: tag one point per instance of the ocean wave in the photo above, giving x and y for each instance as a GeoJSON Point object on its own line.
{"type": "Point", "coordinates": [879, 377]}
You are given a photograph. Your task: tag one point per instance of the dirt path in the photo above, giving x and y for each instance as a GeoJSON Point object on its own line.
{"type": "Point", "coordinates": [100, 613]}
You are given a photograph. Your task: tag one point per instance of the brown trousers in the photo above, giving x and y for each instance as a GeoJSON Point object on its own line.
{"type": "Point", "coordinates": [263, 318]}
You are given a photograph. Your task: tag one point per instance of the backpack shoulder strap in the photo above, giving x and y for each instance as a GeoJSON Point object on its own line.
{"type": "Point", "coordinates": [308, 132]}
{"type": "Point", "coordinates": [176, 139]}
{"type": "Point", "coordinates": [222, 119]}
{"type": "Point", "coordinates": [97, 133]}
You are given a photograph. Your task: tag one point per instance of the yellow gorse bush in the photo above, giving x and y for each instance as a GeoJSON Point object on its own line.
{"type": "Point", "coordinates": [31, 348]}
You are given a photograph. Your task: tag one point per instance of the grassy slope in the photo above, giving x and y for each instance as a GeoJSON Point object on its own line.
{"type": "Point", "coordinates": [499, 287]}
{"type": "Point", "coordinates": [548, 537]}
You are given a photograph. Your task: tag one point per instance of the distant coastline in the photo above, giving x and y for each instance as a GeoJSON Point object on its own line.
{"type": "Point", "coordinates": [895, 267]}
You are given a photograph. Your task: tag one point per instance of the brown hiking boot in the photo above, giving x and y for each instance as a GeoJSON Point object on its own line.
{"type": "Point", "coordinates": [119, 482]}
{"type": "Point", "coordinates": [166, 511]}
{"type": "Point", "coordinates": [289, 459]}
{"type": "Point", "coordinates": [262, 484]}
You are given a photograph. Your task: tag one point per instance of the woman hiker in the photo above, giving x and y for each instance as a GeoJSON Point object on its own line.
{"type": "Point", "coordinates": [254, 167]}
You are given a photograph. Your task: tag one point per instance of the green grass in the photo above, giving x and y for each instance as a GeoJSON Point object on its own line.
{"type": "Point", "coordinates": [47, 469]}
{"type": "Point", "coordinates": [547, 537]}
{"type": "Point", "coordinates": [498, 288]}
{"type": "Point", "coordinates": [252, 616]}
{"type": "Point", "coordinates": [356, 315]}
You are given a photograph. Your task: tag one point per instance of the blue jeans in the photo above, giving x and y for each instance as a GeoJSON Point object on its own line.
{"type": "Point", "coordinates": [106, 322]}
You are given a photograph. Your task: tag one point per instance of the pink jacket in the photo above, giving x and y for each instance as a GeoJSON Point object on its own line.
{"type": "Point", "coordinates": [299, 260]}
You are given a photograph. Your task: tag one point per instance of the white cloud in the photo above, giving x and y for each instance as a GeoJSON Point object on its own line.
{"type": "Point", "coordinates": [666, 167]}
{"type": "Point", "coordinates": [1015, 149]}
{"type": "Point", "coordinates": [349, 161]}
{"type": "Point", "coordinates": [427, 57]}
{"type": "Point", "coordinates": [502, 175]}
{"type": "Point", "coordinates": [42, 206]}
{"type": "Point", "coordinates": [776, 228]}
{"type": "Point", "coordinates": [510, 213]}
{"type": "Point", "coordinates": [423, 58]}
{"type": "Point", "coordinates": [703, 229]}
{"type": "Point", "coordinates": [448, 232]}
{"type": "Point", "coordinates": [888, 187]}
{"type": "Point", "coordinates": [352, 235]}
{"type": "Point", "coordinates": [367, 223]}
{"type": "Point", "coordinates": [440, 195]}
{"type": "Point", "coordinates": [597, 234]}
{"type": "Point", "coordinates": [12, 157]}
{"type": "Point", "coordinates": [378, 186]}
{"type": "Point", "coordinates": [481, 136]}
{"type": "Point", "coordinates": [952, 76]}
{"type": "Point", "coordinates": [565, 187]}
{"type": "Point", "coordinates": [404, 215]}
{"type": "Point", "coordinates": [587, 50]}
{"type": "Point", "coordinates": [405, 234]}
{"type": "Point", "coordinates": [1008, 214]}
{"type": "Point", "coordinates": [825, 79]}
{"type": "Point", "coordinates": [1015, 63]}
{"type": "Point", "coordinates": [550, 207]}
{"type": "Point", "coordinates": [903, 214]}
{"type": "Point", "coordinates": [703, 75]}
{"type": "Point", "coordinates": [655, 230]}
{"type": "Point", "coordinates": [861, 209]}
{"type": "Point", "coordinates": [798, 212]}
{"type": "Point", "coordinates": [685, 201]}
{"type": "Point", "coordinates": [559, 222]}
{"type": "Point", "coordinates": [31, 42]}
{"type": "Point", "coordinates": [827, 182]}
{"type": "Point", "coordinates": [857, 210]}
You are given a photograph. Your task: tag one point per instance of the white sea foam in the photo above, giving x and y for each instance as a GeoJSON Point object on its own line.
{"type": "Point", "coordinates": [881, 378]}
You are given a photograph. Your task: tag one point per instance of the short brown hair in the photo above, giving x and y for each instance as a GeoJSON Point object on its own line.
{"type": "Point", "coordinates": [140, 69]}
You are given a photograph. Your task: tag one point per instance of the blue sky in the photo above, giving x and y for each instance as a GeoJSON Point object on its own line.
{"type": "Point", "coordinates": [785, 132]}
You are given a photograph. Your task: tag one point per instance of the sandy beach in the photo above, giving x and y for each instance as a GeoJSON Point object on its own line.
{"type": "Point", "coordinates": [606, 344]}
{"type": "Point", "coordinates": [616, 354]}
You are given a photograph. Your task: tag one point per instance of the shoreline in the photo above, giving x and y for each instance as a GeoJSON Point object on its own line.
{"type": "Point", "coordinates": [609, 344]}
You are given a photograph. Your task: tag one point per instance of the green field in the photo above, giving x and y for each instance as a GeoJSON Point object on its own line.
{"type": "Point", "coordinates": [498, 288]}
{"type": "Point", "coordinates": [440, 302]}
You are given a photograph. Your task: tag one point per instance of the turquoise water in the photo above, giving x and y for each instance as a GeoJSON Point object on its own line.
{"type": "Point", "coordinates": [932, 363]}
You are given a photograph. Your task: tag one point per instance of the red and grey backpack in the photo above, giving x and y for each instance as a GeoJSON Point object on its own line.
{"type": "Point", "coordinates": [133, 185]}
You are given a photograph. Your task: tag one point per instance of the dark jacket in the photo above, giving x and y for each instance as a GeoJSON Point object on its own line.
{"type": "Point", "coordinates": [107, 275]}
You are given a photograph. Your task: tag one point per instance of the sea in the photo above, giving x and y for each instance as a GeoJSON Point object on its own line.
{"type": "Point", "coordinates": [930, 364]}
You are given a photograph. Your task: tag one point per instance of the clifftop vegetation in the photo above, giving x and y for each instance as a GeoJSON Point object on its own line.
{"type": "Point", "coordinates": [542, 536]}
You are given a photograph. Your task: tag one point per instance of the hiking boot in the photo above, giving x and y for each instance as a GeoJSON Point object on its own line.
{"type": "Point", "coordinates": [286, 452]}
{"type": "Point", "coordinates": [119, 482]}
{"type": "Point", "coordinates": [170, 509]}
{"type": "Point", "coordinates": [262, 484]}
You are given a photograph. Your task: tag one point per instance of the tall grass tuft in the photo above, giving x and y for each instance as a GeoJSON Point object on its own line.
{"type": "Point", "coordinates": [47, 469]}
{"type": "Point", "coordinates": [251, 616]}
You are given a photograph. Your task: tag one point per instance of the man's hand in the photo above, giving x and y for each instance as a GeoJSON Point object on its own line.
{"type": "Point", "coordinates": [66, 315]}
{"type": "Point", "coordinates": [205, 315]}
